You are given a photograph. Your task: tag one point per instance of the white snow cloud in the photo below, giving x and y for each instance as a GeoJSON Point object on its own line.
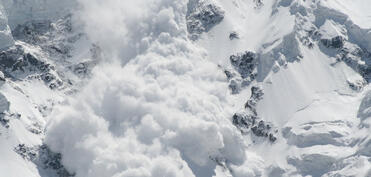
{"type": "Point", "coordinates": [155, 107]}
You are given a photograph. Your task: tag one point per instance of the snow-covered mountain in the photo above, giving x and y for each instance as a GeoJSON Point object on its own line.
{"type": "Point", "coordinates": [176, 88]}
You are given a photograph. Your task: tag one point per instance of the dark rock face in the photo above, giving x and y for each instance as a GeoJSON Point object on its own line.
{"type": "Point", "coordinates": [47, 35]}
{"type": "Point", "coordinates": [31, 30]}
{"type": "Point", "coordinates": [353, 55]}
{"type": "Point", "coordinates": [357, 85]}
{"type": "Point", "coordinates": [16, 63]}
{"type": "Point", "coordinates": [358, 59]}
{"type": "Point", "coordinates": [202, 18]}
{"type": "Point", "coordinates": [82, 69]}
{"type": "Point", "coordinates": [4, 121]}
{"type": "Point", "coordinates": [25, 152]}
{"type": "Point", "coordinates": [243, 72]}
{"type": "Point", "coordinates": [244, 63]}
{"type": "Point", "coordinates": [43, 157]}
{"type": "Point", "coordinates": [336, 42]}
{"type": "Point", "coordinates": [249, 121]}
{"type": "Point", "coordinates": [258, 3]}
{"type": "Point", "coordinates": [244, 121]}
{"type": "Point", "coordinates": [233, 35]}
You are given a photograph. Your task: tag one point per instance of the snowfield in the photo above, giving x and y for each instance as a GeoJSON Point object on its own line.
{"type": "Point", "coordinates": [175, 88]}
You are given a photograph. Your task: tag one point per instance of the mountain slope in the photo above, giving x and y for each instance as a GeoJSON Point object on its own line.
{"type": "Point", "coordinates": [185, 88]}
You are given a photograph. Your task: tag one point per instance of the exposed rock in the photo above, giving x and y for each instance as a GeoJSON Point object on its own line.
{"type": "Point", "coordinates": [233, 35]}
{"type": "Point", "coordinates": [202, 17]}
{"type": "Point", "coordinates": [244, 121]}
{"type": "Point", "coordinates": [32, 31]}
{"type": "Point", "coordinates": [249, 121]}
{"type": "Point", "coordinates": [357, 85]}
{"type": "Point", "coordinates": [244, 63]}
{"type": "Point", "coordinates": [243, 72]}
{"type": "Point", "coordinates": [356, 58]}
{"type": "Point", "coordinates": [82, 69]}
{"type": "Point", "coordinates": [17, 63]}
{"type": "Point", "coordinates": [235, 86]}
{"type": "Point", "coordinates": [43, 157]}
{"type": "Point", "coordinates": [258, 3]}
{"type": "Point", "coordinates": [336, 42]}
{"type": "Point", "coordinates": [4, 121]}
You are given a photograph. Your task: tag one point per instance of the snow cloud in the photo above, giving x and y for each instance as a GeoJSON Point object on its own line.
{"type": "Point", "coordinates": [154, 107]}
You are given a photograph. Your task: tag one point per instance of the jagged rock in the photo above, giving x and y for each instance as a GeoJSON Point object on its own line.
{"type": "Point", "coordinates": [26, 152]}
{"type": "Point", "coordinates": [202, 18]}
{"type": "Point", "coordinates": [244, 121]}
{"type": "Point", "coordinates": [256, 95]}
{"type": "Point", "coordinates": [244, 63]}
{"type": "Point", "coordinates": [335, 42]}
{"type": "Point", "coordinates": [235, 86]}
{"type": "Point", "coordinates": [51, 160]}
{"type": "Point", "coordinates": [82, 69]}
{"type": "Point", "coordinates": [357, 85]}
{"type": "Point", "coordinates": [46, 35]}
{"type": "Point", "coordinates": [4, 121]}
{"type": "Point", "coordinates": [262, 129]}
{"type": "Point", "coordinates": [43, 157]}
{"type": "Point", "coordinates": [244, 71]}
{"type": "Point", "coordinates": [233, 35]}
{"type": "Point", "coordinates": [32, 31]}
{"type": "Point", "coordinates": [249, 121]}
{"type": "Point", "coordinates": [16, 59]}
{"type": "Point", "coordinates": [258, 3]}
{"type": "Point", "coordinates": [356, 58]}
{"type": "Point", "coordinates": [16, 63]}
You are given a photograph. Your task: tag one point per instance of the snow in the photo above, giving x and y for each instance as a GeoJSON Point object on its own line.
{"type": "Point", "coordinates": [357, 10]}
{"type": "Point", "coordinates": [158, 103]}
{"type": "Point", "coordinates": [330, 30]}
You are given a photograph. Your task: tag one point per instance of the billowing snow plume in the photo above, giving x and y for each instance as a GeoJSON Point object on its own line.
{"type": "Point", "coordinates": [168, 88]}
{"type": "Point", "coordinates": [158, 109]}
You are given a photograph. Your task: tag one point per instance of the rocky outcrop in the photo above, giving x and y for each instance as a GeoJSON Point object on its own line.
{"type": "Point", "coordinates": [202, 17]}
{"type": "Point", "coordinates": [233, 35]}
{"type": "Point", "coordinates": [335, 42]}
{"type": "Point", "coordinates": [249, 121]}
{"type": "Point", "coordinates": [44, 158]}
{"type": "Point", "coordinates": [244, 63]}
{"type": "Point", "coordinates": [243, 71]}
{"type": "Point", "coordinates": [17, 63]}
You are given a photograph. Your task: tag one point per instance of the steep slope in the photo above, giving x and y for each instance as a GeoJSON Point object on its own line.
{"type": "Point", "coordinates": [185, 88]}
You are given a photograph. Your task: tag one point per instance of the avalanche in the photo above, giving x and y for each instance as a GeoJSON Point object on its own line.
{"type": "Point", "coordinates": [168, 88]}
